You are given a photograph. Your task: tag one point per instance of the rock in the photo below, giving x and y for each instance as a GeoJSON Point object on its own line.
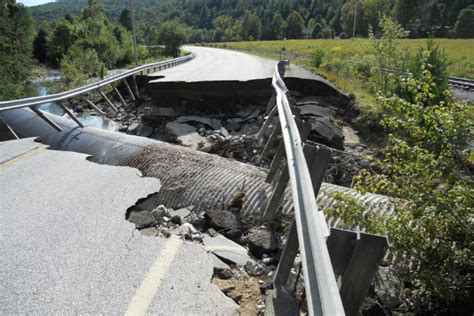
{"type": "Point", "coordinates": [150, 231]}
{"type": "Point", "coordinates": [222, 219]}
{"type": "Point", "coordinates": [325, 131]}
{"type": "Point", "coordinates": [223, 274]}
{"type": "Point", "coordinates": [262, 240]}
{"type": "Point", "coordinates": [255, 269]}
{"type": "Point", "coordinates": [187, 135]}
{"type": "Point", "coordinates": [219, 264]}
{"type": "Point", "coordinates": [133, 128]}
{"type": "Point", "coordinates": [182, 212]}
{"type": "Point", "coordinates": [227, 250]}
{"type": "Point", "coordinates": [160, 213]}
{"type": "Point", "coordinates": [226, 290]}
{"type": "Point", "coordinates": [212, 232]}
{"type": "Point", "coordinates": [145, 131]}
{"type": "Point", "coordinates": [232, 126]}
{"type": "Point", "coordinates": [142, 219]}
{"type": "Point", "coordinates": [311, 109]}
{"type": "Point", "coordinates": [213, 123]}
{"type": "Point", "coordinates": [224, 132]}
{"type": "Point", "coordinates": [176, 219]}
{"type": "Point", "coordinates": [186, 228]}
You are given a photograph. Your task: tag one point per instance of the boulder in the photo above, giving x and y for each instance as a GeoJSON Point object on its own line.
{"type": "Point", "coordinates": [262, 240]}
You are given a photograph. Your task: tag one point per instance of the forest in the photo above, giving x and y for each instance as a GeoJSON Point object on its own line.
{"type": "Point", "coordinates": [230, 20]}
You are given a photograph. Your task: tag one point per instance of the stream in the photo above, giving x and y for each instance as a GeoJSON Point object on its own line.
{"type": "Point", "coordinates": [41, 87]}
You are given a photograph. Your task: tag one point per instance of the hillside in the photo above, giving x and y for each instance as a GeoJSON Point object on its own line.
{"type": "Point", "coordinates": [328, 17]}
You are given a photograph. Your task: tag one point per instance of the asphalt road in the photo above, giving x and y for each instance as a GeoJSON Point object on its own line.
{"type": "Point", "coordinates": [67, 248]}
{"type": "Point", "coordinates": [212, 64]}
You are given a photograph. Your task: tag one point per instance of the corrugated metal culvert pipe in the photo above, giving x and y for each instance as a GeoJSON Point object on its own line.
{"type": "Point", "coordinates": [188, 177]}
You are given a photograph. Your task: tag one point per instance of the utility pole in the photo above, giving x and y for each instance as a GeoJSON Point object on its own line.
{"type": "Point", "coordinates": [355, 19]}
{"type": "Point", "coordinates": [134, 32]}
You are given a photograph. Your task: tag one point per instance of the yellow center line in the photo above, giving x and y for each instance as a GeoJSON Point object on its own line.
{"type": "Point", "coordinates": [150, 285]}
{"type": "Point", "coordinates": [25, 156]}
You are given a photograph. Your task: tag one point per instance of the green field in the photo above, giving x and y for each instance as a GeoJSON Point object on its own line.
{"type": "Point", "coordinates": [460, 52]}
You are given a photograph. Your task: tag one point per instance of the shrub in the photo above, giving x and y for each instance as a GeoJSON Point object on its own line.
{"type": "Point", "coordinates": [423, 168]}
{"type": "Point", "coordinates": [79, 64]}
{"type": "Point", "coordinates": [317, 57]}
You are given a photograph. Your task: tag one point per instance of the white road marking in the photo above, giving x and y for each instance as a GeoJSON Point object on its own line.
{"type": "Point", "coordinates": [148, 288]}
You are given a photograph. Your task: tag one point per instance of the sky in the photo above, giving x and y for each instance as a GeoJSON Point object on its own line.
{"type": "Point", "coordinates": [30, 3]}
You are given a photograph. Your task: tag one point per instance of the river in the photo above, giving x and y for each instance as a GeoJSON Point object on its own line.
{"type": "Point", "coordinates": [91, 118]}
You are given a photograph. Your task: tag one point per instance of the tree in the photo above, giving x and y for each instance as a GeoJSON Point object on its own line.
{"type": "Point", "coordinates": [464, 27]}
{"type": "Point", "coordinates": [40, 48]}
{"type": "Point", "coordinates": [294, 25]}
{"type": "Point", "coordinates": [386, 53]}
{"type": "Point", "coordinates": [277, 26]}
{"type": "Point", "coordinates": [250, 26]}
{"type": "Point", "coordinates": [172, 34]}
{"type": "Point", "coordinates": [126, 19]}
{"type": "Point", "coordinates": [16, 38]}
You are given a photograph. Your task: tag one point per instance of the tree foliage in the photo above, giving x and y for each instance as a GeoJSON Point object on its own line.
{"type": "Point", "coordinates": [294, 25]}
{"type": "Point", "coordinates": [424, 167]}
{"type": "Point", "coordinates": [16, 37]}
{"type": "Point", "coordinates": [419, 17]}
{"type": "Point", "coordinates": [464, 27]}
{"type": "Point", "coordinates": [171, 34]}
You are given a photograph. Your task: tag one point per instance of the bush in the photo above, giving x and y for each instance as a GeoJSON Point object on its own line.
{"type": "Point", "coordinates": [172, 34]}
{"type": "Point", "coordinates": [317, 57]}
{"type": "Point", "coordinates": [436, 62]}
{"type": "Point", "coordinates": [423, 168]}
{"type": "Point", "coordinates": [79, 64]}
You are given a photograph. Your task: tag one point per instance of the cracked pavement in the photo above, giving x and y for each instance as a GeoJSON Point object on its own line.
{"type": "Point", "coordinates": [67, 248]}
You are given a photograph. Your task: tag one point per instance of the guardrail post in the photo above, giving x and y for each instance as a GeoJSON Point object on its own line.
{"type": "Point", "coordinates": [129, 89]}
{"type": "Point", "coordinates": [122, 100]}
{"type": "Point", "coordinates": [45, 118]}
{"type": "Point", "coordinates": [271, 104]}
{"type": "Point", "coordinates": [267, 122]}
{"type": "Point", "coordinates": [287, 258]}
{"type": "Point", "coordinates": [355, 281]}
{"type": "Point", "coordinates": [71, 115]}
{"type": "Point", "coordinates": [107, 100]}
{"type": "Point", "coordinates": [305, 129]}
{"type": "Point", "coordinates": [95, 107]}
{"type": "Point", "coordinates": [135, 86]}
{"type": "Point", "coordinates": [271, 140]}
{"type": "Point", "coordinates": [317, 159]}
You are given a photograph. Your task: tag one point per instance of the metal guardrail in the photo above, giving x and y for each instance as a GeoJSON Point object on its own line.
{"type": "Point", "coordinates": [320, 283]}
{"type": "Point", "coordinates": [21, 103]}
{"type": "Point", "coordinates": [96, 86]}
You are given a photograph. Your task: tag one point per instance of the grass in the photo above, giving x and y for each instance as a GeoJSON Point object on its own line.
{"type": "Point", "coordinates": [460, 52]}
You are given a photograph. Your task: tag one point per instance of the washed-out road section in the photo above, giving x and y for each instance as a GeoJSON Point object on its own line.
{"type": "Point", "coordinates": [67, 248]}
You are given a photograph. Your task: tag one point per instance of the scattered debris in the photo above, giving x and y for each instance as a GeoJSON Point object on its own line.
{"type": "Point", "coordinates": [211, 122]}
{"type": "Point", "coordinates": [262, 240]}
{"type": "Point", "coordinates": [227, 250]}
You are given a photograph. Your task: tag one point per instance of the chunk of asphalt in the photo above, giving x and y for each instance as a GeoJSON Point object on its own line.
{"type": "Point", "coordinates": [262, 240]}
{"type": "Point", "coordinates": [182, 212]}
{"type": "Point", "coordinates": [142, 219]}
{"type": "Point", "coordinates": [211, 122]}
{"type": "Point", "coordinates": [218, 263]}
{"type": "Point", "coordinates": [227, 249]}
